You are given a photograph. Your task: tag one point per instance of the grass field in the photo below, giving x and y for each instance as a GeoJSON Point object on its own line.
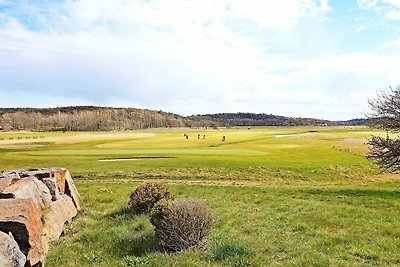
{"type": "Point", "coordinates": [280, 196]}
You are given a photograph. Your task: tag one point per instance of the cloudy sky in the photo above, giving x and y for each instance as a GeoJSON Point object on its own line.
{"type": "Point", "coordinates": [310, 58]}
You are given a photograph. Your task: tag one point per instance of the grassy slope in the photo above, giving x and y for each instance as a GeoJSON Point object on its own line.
{"type": "Point", "coordinates": [308, 199]}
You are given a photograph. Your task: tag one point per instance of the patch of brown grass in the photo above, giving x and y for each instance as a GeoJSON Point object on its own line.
{"type": "Point", "coordinates": [354, 145]}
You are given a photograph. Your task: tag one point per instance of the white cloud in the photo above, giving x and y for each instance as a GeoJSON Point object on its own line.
{"type": "Point", "coordinates": [393, 14]}
{"type": "Point", "coordinates": [390, 8]}
{"type": "Point", "coordinates": [395, 3]}
{"type": "Point", "coordinates": [367, 3]}
{"type": "Point", "coordinates": [186, 58]}
{"type": "Point", "coordinates": [361, 28]}
{"type": "Point", "coordinates": [391, 44]}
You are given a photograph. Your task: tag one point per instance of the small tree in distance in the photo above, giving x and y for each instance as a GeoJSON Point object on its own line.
{"type": "Point", "coordinates": [385, 115]}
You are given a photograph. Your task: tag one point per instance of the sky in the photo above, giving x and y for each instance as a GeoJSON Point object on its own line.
{"type": "Point", "coordinates": [301, 58]}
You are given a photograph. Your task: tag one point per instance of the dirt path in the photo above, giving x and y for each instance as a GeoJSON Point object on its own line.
{"type": "Point", "coordinates": [372, 181]}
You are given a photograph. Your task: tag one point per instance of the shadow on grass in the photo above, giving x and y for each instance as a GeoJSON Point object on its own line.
{"type": "Point", "coordinates": [139, 241]}
{"type": "Point", "coordinates": [138, 246]}
{"type": "Point", "coordinates": [124, 212]}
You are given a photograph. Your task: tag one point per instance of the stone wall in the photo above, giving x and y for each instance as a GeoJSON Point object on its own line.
{"type": "Point", "coordinates": [35, 205]}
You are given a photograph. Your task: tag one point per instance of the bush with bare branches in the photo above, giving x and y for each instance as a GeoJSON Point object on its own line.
{"type": "Point", "coordinates": [181, 224]}
{"type": "Point", "coordinates": [143, 198]}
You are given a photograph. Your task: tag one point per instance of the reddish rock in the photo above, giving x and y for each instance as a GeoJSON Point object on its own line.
{"type": "Point", "coordinates": [59, 213]}
{"type": "Point", "coordinates": [36, 207]}
{"type": "Point", "coordinates": [5, 182]}
{"type": "Point", "coordinates": [22, 219]}
{"type": "Point", "coordinates": [63, 179]}
{"type": "Point", "coordinates": [10, 254]}
{"type": "Point", "coordinates": [31, 188]}
{"type": "Point", "coordinates": [59, 174]}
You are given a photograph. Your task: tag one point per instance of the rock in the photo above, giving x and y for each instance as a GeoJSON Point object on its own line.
{"type": "Point", "coordinates": [70, 190]}
{"type": "Point", "coordinates": [63, 179]}
{"type": "Point", "coordinates": [22, 219]}
{"type": "Point", "coordinates": [35, 205]}
{"type": "Point", "coordinates": [29, 188]}
{"type": "Point", "coordinates": [10, 254]}
{"type": "Point", "coordinates": [59, 213]}
{"type": "Point", "coordinates": [51, 184]}
{"type": "Point", "coordinates": [59, 174]}
{"type": "Point", "coordinates": [10, 174]}
{"type": "Point", "coordinates": [5, 182]}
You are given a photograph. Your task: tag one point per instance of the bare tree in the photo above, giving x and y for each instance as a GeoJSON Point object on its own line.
{"type": "Point", "coordinates": [385, 115]}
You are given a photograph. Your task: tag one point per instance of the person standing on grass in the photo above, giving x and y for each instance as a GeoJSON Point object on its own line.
{"type": "Point", "coordinates": [223, 138]}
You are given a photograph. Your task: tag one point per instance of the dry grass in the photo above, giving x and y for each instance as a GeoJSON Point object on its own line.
{"type": "Point", "coordinates": [67, 138]}
{"type": "Point", "coordinates": [370, 181]}
{"type": "Point", "coordinates": [357, 146]}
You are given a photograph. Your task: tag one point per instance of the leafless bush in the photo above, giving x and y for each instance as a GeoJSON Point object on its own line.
{"type": "Point", "coordinates": [181, 224]}
{"type": "Point", "coordinates": [143, 198]}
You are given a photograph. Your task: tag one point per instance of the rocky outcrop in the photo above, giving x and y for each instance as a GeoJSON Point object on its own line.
{"type": "Point", "coordinates": [10, 254]}
{"type": "Point", "coordinates": [62, 210]}
{"type": "Point", "coordinates": [31, 188]}
{"type": "Point", "coordinates": [35, 205]}
{"type": "Point", "coordinates": [22, 218]}
{"type": "Point", "coordinates": [5, 182]}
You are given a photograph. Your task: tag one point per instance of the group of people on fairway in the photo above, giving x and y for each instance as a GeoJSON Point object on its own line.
{"type": "Point", "coordinates": [186, 137]}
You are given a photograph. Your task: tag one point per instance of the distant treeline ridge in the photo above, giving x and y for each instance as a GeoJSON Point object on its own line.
{"type": "Point", "coordinates": [91, 118]}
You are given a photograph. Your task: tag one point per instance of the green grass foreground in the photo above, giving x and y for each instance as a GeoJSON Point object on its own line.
{"type": "Point", "coordinates": [280, 196]}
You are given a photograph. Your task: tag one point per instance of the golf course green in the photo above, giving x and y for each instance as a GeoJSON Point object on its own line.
{"type": "Point", "coordinates": [280, 196]}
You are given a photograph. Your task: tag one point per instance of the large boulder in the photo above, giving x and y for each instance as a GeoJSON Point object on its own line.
{"type": "Point", "coordinates": [21, 217]}
{"type": "Point", "coordinates": [35, 205]}
{"type": "Point", "coordinates": [63, 179]}
{"type": "Point", "coordinates": [60, 212]}
{"type": "Point", "coordinates": [29, 188]}
{"type": "Point", "coordinates": [10, 254]}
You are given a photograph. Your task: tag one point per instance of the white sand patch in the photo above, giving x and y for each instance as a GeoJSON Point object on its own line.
{"type": "Point", "coordinates": [109, 160]}
{"type": "Point", "coordinates": [283, 135]}
{"type": "Point", "coordinates": [132, 159]}
{"type": "Point", "coordinates": [290, 135]}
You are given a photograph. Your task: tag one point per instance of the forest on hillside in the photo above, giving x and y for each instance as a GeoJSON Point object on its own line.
{"type": "Point", "coordinates": [91, 118]}
{"type": "Point", "coordinates": [262, 119]}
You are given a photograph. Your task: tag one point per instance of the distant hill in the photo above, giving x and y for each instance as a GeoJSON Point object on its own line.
{"type": "Point", "coordinates": [93, 118]}
{"type": "Point", "coordinates": [353, 122]}
{"type": "Point", "coordinates": [262, 119]}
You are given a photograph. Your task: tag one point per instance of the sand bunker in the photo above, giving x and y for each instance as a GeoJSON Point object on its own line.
{"type": "Point", "coordinates": [130, 159]}
{"type": "Point", "coordinates": [289, 135]}
{"type": "Point", "coordinates": [283, 135]}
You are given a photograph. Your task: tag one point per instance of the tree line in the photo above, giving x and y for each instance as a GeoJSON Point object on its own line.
{"type": "Point", "coordinates": [262, 119]}
{"type": "Point", "coordinates": [92, 118]}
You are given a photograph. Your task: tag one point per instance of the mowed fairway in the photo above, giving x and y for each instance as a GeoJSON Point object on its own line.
{"type": "Point", "coordinates": [279, 196]}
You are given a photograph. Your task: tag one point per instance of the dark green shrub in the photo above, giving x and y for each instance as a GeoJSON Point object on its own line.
{"type": "Point", "coordinates": [181, 224]}
{"type": "Point", "coordinates": [143, 198]}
